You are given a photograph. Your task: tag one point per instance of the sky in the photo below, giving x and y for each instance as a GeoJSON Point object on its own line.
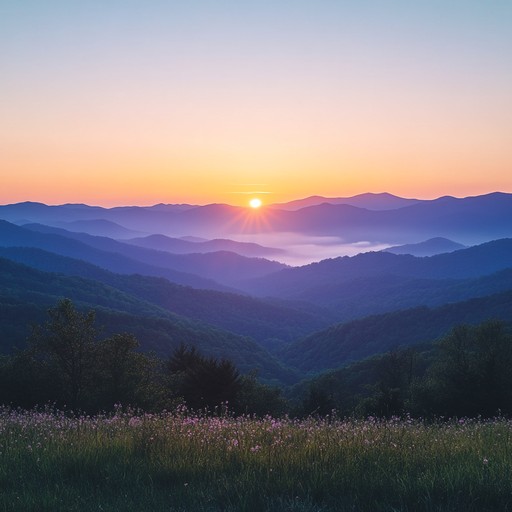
{"type": "Point", "coordinates": [114, 102]}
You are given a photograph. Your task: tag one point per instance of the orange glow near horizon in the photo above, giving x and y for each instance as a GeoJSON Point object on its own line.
{"type": "Point", "coordinates": [111, 103]}
{"type": "Point", "coordinates": [117, 193]}
{"type": "Point", "coordinates": [86, 173]}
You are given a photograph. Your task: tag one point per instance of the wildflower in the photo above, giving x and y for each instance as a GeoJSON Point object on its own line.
{"type": "Point", "coordinates": [134, 422]}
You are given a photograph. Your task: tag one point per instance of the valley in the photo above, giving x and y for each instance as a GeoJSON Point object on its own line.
{"type": "Point", "coordinates": [227, 299]}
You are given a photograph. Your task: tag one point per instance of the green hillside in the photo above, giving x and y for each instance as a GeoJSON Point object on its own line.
{"type": "Point", "coordinates": [271, 324]}
{"type": "Point", "coordinates": [352, 341]}
{"type": "Point", "coordinates": [27, 293]}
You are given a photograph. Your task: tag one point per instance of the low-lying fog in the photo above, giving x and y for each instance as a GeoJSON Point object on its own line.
{"type": "Point", "coordinates": [303, 249]}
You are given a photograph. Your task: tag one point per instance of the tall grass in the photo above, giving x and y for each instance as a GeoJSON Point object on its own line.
{"type": "Point", "coordinates": [182, 462]}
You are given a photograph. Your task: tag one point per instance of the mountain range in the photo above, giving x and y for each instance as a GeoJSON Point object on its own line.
{"type": "Point", "coordinates": [468, 220]}
{"type": "Point", "coordinates": [201, 275]}
{"type": "Point", "coordinates": [431, 247]}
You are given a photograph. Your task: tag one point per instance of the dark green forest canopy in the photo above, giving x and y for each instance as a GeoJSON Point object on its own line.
{"type": "Point", "coordinates": [344, 343]}
{"type": "Point", "coordinates": [27, 294]}
{"type": "Point", "coordinates": [279, 341]}
{"type": "Point", "coordinates": [67, 363]}
{"type": "Point", "coordinates": [466, 373]}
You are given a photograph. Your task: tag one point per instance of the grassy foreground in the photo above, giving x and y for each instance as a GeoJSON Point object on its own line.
{"type": "Point", "coordinates": [178, 462]}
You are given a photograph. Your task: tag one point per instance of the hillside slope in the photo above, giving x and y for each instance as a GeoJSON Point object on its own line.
{"type": "Point", "coordinates": [328, 275]}
{"type": "Point", "coordinates": [356, 340]}
{"type": "Point", "coordinates": [269, 323]}
{"type": "Point", "coordinates": [27, 293]}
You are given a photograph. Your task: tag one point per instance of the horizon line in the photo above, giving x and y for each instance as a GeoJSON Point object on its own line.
{"type": "Point", "coordinates": [265, 205]}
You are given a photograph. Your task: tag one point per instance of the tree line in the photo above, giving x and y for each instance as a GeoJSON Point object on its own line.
{"type": "Point", "coordinates": [67, 364]}
{"type": "Point", "coordinates": [466, 373]}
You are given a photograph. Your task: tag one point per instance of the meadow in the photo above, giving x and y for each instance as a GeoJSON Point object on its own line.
{"type": "Point", "coordinates": [51, 461]}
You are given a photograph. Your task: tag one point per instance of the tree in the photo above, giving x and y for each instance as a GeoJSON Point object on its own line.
{"type": "Point", "coordinates": [202, 382]}
{"type": "Point", "coordinates": [471, 374]}
{"type": "Point", "coordinates": [494, 347]}
{"type": "Point", "coordinates": [253, 397]}
{"type": "Point", "coordinates": [119, 370]}
{"type": "Point", "coordinates": [67, 342]}
{"type": "Point", "coordinates": [390, 392]}
{"type": "Point", "coordinates": [26, 382]}
{"type": "Point", "coordinates": [183, 359]}
{"type": "Point", "coordinates": [319, 401]}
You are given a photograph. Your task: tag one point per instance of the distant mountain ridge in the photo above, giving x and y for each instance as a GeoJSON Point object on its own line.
{"type": "Point", "coordinates": [15, 236]}
{"type": "Point", "coordinates": [431, 247]}
{"type": "Point", "coordinates": [185, 279]}
{"type": "Point", "coordinates": [98, 227]}
{"type": "Point", "coordinates": [228, 267]}
{"type": "Point", "coordinates": [181, 246]}
{"type": "Point", "coordinates": [370, 201]}
{"type": "Point", "coordinates": [296, 282]}
{"type": "Point", "coordinates": [469, 220]}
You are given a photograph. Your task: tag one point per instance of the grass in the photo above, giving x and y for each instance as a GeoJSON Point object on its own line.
{"type": "Point", "coordinates": [181, 462]}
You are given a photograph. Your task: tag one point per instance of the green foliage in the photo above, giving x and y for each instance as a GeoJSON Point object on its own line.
{"type": "Point", "coordinates": [67, 344]}
{"type": "Point", "coordinates": [344, 343]}
{"type": "Point", "coordinates": [472, 373]}
{"type": "Point", "coordinates": [246, 316]}
{"type": "Point", "coordinates": [27, 294]}
{"type": "Point", "coordinates": [203, 383]}
{"type": "Point", "coordinates": [390, 393]}
{"type": "Point", "coordinates": [240, 314]}
{"type": "Point", "coordinates": [379, 386]}
{"type": "Point", "coordinates": [26, 382]}
{"type": "Point", "coordinates": [125, 376]}
{"type": "Point", "coordinates": [68, 365]}
{"type": "Point", "coordinates": [259, 399]}
{"type": "Point", "coordinates": [467, 373]}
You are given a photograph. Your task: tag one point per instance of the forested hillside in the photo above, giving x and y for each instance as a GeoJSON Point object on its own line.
{"type": "Point", "coordinates": [269, 322]}
{"type": "Point", "coordinates": [28, 293]}
{"type": "Point", "coordinates": [356, 340]}
{"type": "Point", "coordinates": [275, 323]}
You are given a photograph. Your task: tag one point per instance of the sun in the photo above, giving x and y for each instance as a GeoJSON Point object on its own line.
{"type": "Point", "coordinates": [255, 203]}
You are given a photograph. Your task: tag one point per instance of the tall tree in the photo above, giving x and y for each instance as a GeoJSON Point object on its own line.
{"type": "Point", "coordinates": [202, 382]}
{"type": "Point", "coordinates": [472, 374]}
{"type": "Point", "coordinates": [125, 376]}
{"type": "Point", "coordinates": [67, 341]}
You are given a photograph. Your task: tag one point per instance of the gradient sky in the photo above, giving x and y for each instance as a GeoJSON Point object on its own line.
{"type": "Point", "coordinates": [139, 102]}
